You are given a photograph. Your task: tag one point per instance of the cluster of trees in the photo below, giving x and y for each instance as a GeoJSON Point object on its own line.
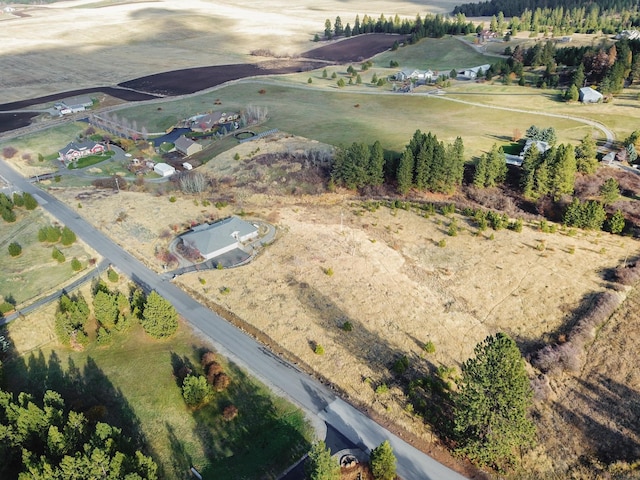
{"type": "Point", "coordinates": [427, 164]}
{"type": "Point", "coordinates": [358, 165]}
{"type": "Point", "coordinates": [320, 465]}
{"type": "Point", "coordinates": [7, 205]}
{"type": "Point", "coordinates": [550, 173]}
{"type": "Point", "coordinates": [491, 168]}
{"type": "Point", "coordinates": [113, 311]}
{"type": "Point", "coordinates": [434, 26]}
{"type": "Point", "coordinates": [47, 440]}
{"type": "Point", "coordinates": [560, 16]}
{"type": "Point", "coordinates": [198, 390]}
{"type": "Point", "coordinates": [55, 234]}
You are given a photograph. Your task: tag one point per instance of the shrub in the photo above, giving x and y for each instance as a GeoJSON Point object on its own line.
{"type": "Point", "coordinates": [347, 326]}
{"type": "Point", "coordinates": [172, 199]}
{"type": "Point", "coordinates": [221, 382]}
{"type": "Point", "coordinates": [319, 349]}
{"type": "Point", "coordinates": [328, 271]}
{"type": "Point", "coordinates": [401, 365]}
{"type": "Point", "coordinates": [516, 226]}
{"type": "Point", "coordinates": [196, 391]}
{"type": "Point", "coordinates": [103, 337]}
{"type": "Point", "coordinates": [8, 215]}
{"type": "Point", "coordinates": [230, 412]}
{"type": "Point", "coordinates": [15, 249]}
{"type": "Point", "coordinates": [76, 265]}
{"type": "Point", "coordinates": [429, 347]}
{"type": "Point", "coordinates": [6, 307]}
{"type": "Point", "coordinates": [56, 254]}
{"type": "Point", "coordinates": [30, 203]}
{"type": "Point", "coordinates": [382, 389]}
{"type": "Point", "coordinates": [442, 243]}
{"type": "Point", "coordinates": [67, 237]}
{"type": "Point", "coordinates": [112, 275]}
{"type": "Point", "coordinates": [207, 359]}
{"type": "Point", "coordinates": [213, 370]}
{"type": "Point", "coordinates": [453, 229]}
{"type": "Point", "coordinates": [9, 152]}
{"type": "Point", "coordinates": [18, 200]}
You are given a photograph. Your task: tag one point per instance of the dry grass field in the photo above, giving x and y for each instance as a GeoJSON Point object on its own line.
{"type": "Point", "coordinates": [382, 270]}
{"type": "Point", "coordinates": [76, 44]}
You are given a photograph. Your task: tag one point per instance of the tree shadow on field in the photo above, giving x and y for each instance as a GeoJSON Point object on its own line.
{"type": "Point", "coordinates": [259, 443]}
{"type": "Point", "coordinates": [84, 389]}
{"type": "Point", "coordinates": [366, 345]}
{"type": "Point", "coordinates": [608, 415]}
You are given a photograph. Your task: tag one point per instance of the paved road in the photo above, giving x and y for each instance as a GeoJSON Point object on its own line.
{"type": "Point", "coordinates": [284, 378]}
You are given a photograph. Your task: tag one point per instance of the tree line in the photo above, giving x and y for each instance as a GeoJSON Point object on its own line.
{"type": "Point", "coordinates": [425, 164]}
{"type": "Point", "coordinates": [563, 16]}
{"type": "Point", "coordinates": [434, 26]}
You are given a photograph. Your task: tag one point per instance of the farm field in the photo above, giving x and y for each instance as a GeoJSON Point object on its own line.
{"type": "Point", "coordinates": [105, 381]}
{"type": "Point", "coordinates": [67, 45]}
{"type": "Point", "coordinates": [34, 272]}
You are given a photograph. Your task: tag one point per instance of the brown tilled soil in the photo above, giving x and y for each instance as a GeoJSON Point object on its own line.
{"type": "Point", "coordinates": [354, 49]}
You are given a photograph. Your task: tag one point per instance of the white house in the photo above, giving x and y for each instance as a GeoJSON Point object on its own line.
{"type": "Point", "coordinates": [589, 95]}
{"type": "Point", "coordinates": [164, 169]}
{"type": "Point", "coordinates": [212, 240]}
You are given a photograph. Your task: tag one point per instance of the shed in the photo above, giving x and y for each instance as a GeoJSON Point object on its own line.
{"type": "Point", "coordinates": [589, 95]}
{"type": "Point", "coordinates": [213, 239]}
{"type": "Point", "coordinates": [164, 169]}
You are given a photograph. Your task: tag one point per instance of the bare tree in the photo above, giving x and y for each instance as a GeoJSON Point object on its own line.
{"type": "Point", "coordinates": [193, 182]}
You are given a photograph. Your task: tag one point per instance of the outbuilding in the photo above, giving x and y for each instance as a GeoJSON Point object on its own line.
{"type": "Point", "coordinates": [589, 95]}
{"type": "Point", "coordinates": [164, 169]}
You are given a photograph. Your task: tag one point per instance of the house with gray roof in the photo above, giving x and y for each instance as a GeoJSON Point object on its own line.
{"type": "Point", "coordinates": [186, 146]}
{"type": "Point", "coordinates": [589, 95]}
{"type": "Point", "coordinates": [213, 239]}
{"type": "Point", "coordinates": [75, 150]}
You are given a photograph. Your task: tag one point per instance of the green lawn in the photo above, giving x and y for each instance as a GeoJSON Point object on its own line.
{"type": "Point", "coordinates": [131, 383]}
{"type": "Point", "coordinates": [330, 115]}
{"type": "Point", "coordinates": [436, 54]}
{"type": "Point", "coordinates": [90, 160]}
{"type": "Point", "coordinates": [34, 272]}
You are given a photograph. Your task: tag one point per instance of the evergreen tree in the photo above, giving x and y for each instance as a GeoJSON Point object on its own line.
{"type": "Point", "coordinates": [338, 29]}
{"type": "Point", "coordinates": [375, 171]}
{"type": "Point", "coordinates": [609, 191]}
{"type": "Point", "coordinates": [327, 29]}
{"type": "Point", "coordinates": [105, 309]}
{"type": "Point", "coordinates": [67, 237]}
{"type": "Point", "coordinates": [563, 171]}
{"type": "Point", "coordinates": [491, 168]}
{"type": "Point", "coordinates": [572, 94]}
{"type": "Point", "coordinates": [481, 171]}
{"type": "Point", "coordinates": [159, 318]}
{"type": "Point", "coordinates": [491, 420]}
{"type": "Point", "coordinates": [616, 223]}
{"type": "Point", "coordinates": [578, 77]}
{"type": "Point", "coordinates": [530, 163]}
{"type": "Point", "coordinates": [383, 462]}
{"type": "Point", "coordinates": [196, 391]}
{"type": "Point", "coordinates": [586, 161]}
{"type": "Point", "coordinates": [320, 465]}
{"type": "Point", "coordinates": [30, 203]}
{"type": "Point", "coordinates": [404, 173]}
{"type": "Point", "coordinates": [589, 215]}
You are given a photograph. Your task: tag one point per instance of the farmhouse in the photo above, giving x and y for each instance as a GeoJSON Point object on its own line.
{"type": "Point", "coordinates": [539, 144]}
{"type": "Point", "coordinates": [186, 146]}
{"type": "Point", "coordinates": [474, 72]}
{"type": "Point", "coordinates": [164, 169]}
{"type": "Point", "coordinates": [73, 105]}
{"type": "Point", "coordinates": [74, 151]}
{"type": "Point", "coordinates": [212, 240]}
{"type": "Point", "coordinates": [415, 75]}
{"type": "Point", "coordinates": [207, 122]}
{"type": "Point", "coordinates": [589, 95]}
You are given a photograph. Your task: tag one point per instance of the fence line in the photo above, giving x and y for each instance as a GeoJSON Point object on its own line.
{"type": "Point", "coordinates": [259, 135]}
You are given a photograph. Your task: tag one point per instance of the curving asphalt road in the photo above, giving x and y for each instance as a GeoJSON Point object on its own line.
{"type": "Point", "coordinates": [283, 377]}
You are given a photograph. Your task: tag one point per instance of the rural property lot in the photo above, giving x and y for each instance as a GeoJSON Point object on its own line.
{"type": "Point", "coordinates": [390, 279]}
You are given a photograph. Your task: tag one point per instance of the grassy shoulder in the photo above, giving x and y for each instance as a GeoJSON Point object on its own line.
{"type": "Point", "coordinates": [132, 383]}
{"type": "Point", "coordinates": [34, 272]}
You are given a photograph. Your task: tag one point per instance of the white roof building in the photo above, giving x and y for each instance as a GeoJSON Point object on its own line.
{"type": "Point", "coordinates": [164, 169]}
{"type": "Point", "coordinates": [212, 240]}
{"type": "Point", "coordinates": [589, 95]}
